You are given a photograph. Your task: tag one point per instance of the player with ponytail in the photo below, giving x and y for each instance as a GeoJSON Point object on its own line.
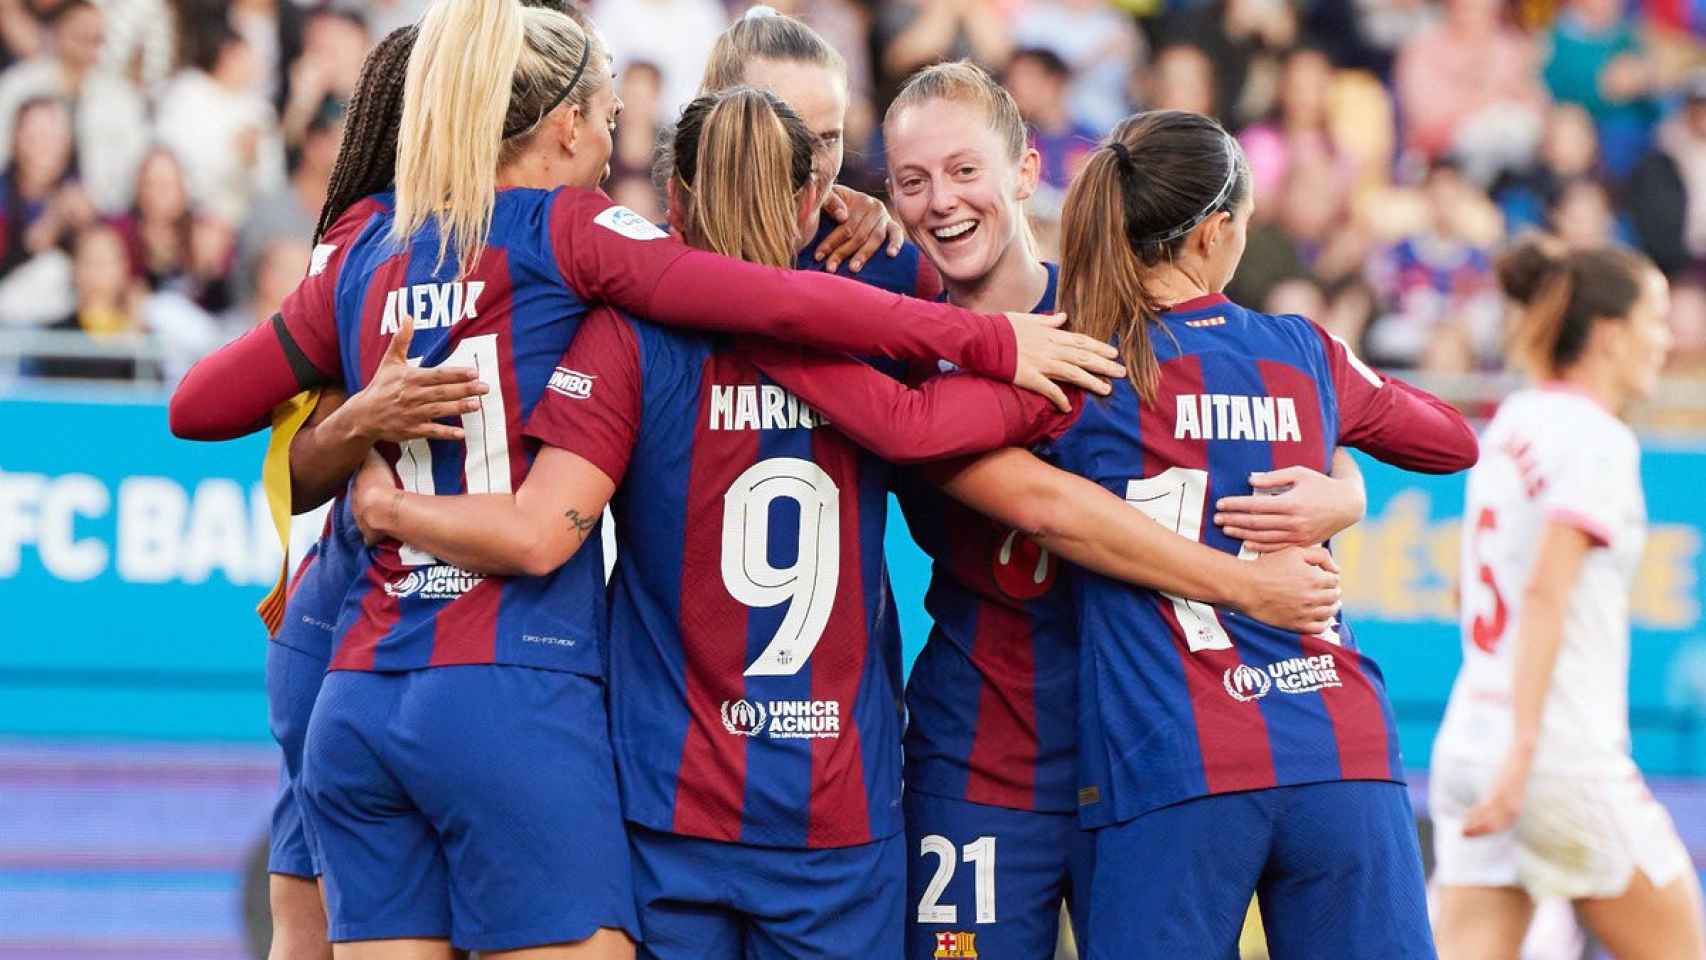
{"type": "Point", "coordinates": [551, 127]}
{"type": "Point", "coordinates": [754, 710]}
{"type": "Point", "coordinates": [1223, 755]}
{"type": "Point", "coordinates": [1534, 793]}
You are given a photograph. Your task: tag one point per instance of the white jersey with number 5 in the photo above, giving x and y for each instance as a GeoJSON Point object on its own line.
{"type": "Point", "coordinates": [1550, 454]}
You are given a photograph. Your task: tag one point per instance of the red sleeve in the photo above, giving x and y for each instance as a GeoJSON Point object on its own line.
{"type": "Point", "coordinates": [591, 405]}
{"type": "Point", "coordinates": [1394, 421]}
{"type": "Point", "coordinates": [929, 279]}
{"type": "Point", "coordinates": [610, 254]}
{"type": "Point", "coordinates": [231, 391]}
{"type": "Point", "coordinates": [949, 415]}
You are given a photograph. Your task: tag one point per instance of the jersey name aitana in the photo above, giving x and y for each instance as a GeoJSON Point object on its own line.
{"type": "Point", "coordinates": [991, 698]}
{"type": "Point", "coordinates": [754, 652]}
{"type": "Point", "coordinates": [1178, 699]}
{"type": "Point", "coordinates": [322, 579]}
{"type": "Point", "coordinates": [1552, 455]}
{"type": "Point", "coordinates": [510, 317]}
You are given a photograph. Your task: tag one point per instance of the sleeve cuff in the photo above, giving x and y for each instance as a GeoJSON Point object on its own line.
{"type": "Point", "coordinates": [1597, 531]}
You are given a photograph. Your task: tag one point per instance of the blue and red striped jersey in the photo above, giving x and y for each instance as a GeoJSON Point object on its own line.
{"type": "Point", "coordinates": [324, 576]}
{"type": "Point", "coordinates": [908, 272]}
{"type": "Point", "coordinates": [754, 651]}
{"type": "Point", "coordinates": [510, 316]}
{"type": "Point", "coordinates": [1179, 699]}
{"type": "Point", "coordinates": [991, 698]}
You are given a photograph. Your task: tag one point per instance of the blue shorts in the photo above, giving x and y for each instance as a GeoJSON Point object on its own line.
{"type": "Point", "coordinates": [709, 900]}
{"type": "Point", "coordinates": [475, 803]}
{"type": "Point", "coordinates": [293, 681]}
{"type": "Point", "coordinates": [1337, 867]}
{"type": "Point", "coordinates": [991, 879]}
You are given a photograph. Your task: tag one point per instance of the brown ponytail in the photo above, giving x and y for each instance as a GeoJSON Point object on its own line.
{"type": "Point", "coordinates": [1158, 176]}
{"type": "Point", "coordinates": [1563, 293]}
{"type": "Point", "coordinates": [741, 157]}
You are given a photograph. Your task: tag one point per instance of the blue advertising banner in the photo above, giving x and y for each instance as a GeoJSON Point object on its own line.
{"type": "Point", "coordinates": [130, 563]}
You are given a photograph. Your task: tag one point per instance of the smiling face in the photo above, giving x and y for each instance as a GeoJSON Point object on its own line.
{"type": "Point", "coordinates": [956, 188]}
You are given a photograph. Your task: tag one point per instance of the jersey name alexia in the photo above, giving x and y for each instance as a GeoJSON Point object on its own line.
{"type": "Point", "coordinates": [432, 305]}
{"type": "Point", "coordinates": [1221, 416]}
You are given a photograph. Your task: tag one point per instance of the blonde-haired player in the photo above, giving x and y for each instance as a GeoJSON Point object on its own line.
{"type": "Point", "coordinates": [1534, 791]}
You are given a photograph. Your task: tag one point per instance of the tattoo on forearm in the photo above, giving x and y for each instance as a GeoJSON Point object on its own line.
{"type": "Point", "coordinates": [582, 525]}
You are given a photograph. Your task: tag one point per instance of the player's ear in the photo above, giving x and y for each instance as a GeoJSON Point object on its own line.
{"type": "Point", "coordinates": [676, 202]}
{"type": "Point", "coordinates": [567, 128]}
{"type": "Point", "coordinates": [1030, 173]}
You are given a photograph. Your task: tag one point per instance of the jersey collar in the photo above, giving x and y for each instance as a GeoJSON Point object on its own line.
{"type": "Point", "coordinates": [1195, 304]}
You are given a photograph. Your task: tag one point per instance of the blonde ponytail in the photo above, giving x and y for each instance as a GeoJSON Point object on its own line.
{"type": "Point", "coordinates": [455, 99]}
{"type": "Point", "coordinates": [482, 76]}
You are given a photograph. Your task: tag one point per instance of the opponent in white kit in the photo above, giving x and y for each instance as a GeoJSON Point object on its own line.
{"type": "Point", "coordinates": [1534, 792]}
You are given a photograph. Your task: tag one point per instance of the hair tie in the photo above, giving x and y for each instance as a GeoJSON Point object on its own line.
{"type": "Point", "coordinates": [586, 52]}
{"type": "Point", "coordinates": [761, 11]}
{"type": "Point", "coordinates": [1122, 154]}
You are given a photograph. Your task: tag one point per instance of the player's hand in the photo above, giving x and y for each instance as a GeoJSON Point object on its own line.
{"type": "Point", "coordinates": [403, 401]}
{"type": "Point", "coordinates": [1048, 353]}
{"type": "Point", "coordinates": [373, 498]}
{"type": "Point", "coordinates": [1293, 507]}
{"type": "Point", "coordinates": [865, 226]}
{"type": "Point", "coordinates": [1296, 589]}
{"type": "Point", "coordinates": [1497, 811]}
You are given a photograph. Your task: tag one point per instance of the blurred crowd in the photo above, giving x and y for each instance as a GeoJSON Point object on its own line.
{"type": "Point", "coordinates": [164, 161]}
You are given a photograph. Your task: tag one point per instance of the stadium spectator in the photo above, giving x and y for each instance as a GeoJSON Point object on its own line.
{"type": "Point", "coordinates": [1039, 79]}
{"type": "Point", "coordinates": [108, 304]}
{"type": "Point", "coordinates": [1297, 130]}
{"type": "Point", "coordinates": [334, 43]}
{"type": "Point", "coordinates": [1242, 40]}
{"type": "Point", "coordinates": [1440, 301]}
{"type": "Point", "coordinates": [1100, 46]}
{"type": "Point", "coordinates": [170, 247]}
{"type": "Point", "coordinates": [290, 212]}
{"type": "Point", "coordinates": [41, 204]}
{"type": "Point", "coordinates": [916, 33]}
{"type": "Point", "coordinates": [20, 33]}
{"type": "Point", "coordinates": [1597, 61]}
{"type": "Point", "coordinates": [1181, 78]}
{"type": "Point", "coordinates": [225, 135]}
{"type": "Point", "coordinates": [674, 35]}
{"type": "Point", "coordinates": [1667, 193]}
{"type": "Point", "coordinates": [639, 86]}
{"type": "Point", "coordinates": [1582, 215]}
{"type": "Point", "coordinates": [109, 115]}
{"type": "Point", "coordinates": [1467, 87]}
{"type": "Point", "coordinates": [278, 265]}
{"type": "Point", "coordinates": [140, 41]}
{"type": "Point", "coordinates": [1569, 149]}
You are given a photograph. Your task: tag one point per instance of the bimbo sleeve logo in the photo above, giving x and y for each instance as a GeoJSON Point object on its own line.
{"type": "Point", "coordinates": [743, 717]}
{"type": "Point", "coordinates": [571, 383]}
